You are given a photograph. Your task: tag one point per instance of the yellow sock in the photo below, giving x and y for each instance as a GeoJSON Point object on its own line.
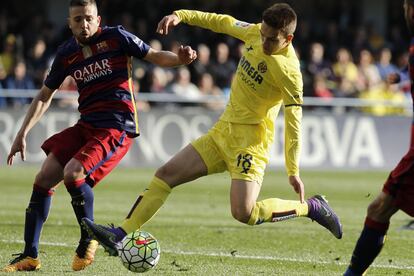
{"type": "Point", "coordinates": [275, 209]}
{"type": "Point", "coordinates": [146, 205]}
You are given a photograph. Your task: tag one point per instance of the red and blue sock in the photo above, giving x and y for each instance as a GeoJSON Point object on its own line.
{"type": "Point", "coordinates": [36, 215]}
{"type": "Point", "coordinates": [82, 203]}
{"type": "Point", "coordinates": [368, 247]}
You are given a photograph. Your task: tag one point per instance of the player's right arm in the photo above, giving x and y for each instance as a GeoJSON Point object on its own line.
{"type": "Point", "coordinates": [39, 105]}
{"type": "Point", "coordinates": [219, 23]}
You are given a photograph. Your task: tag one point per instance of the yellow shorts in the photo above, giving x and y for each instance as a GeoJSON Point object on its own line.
{"type": "Point", "coordinates": [241, 149]}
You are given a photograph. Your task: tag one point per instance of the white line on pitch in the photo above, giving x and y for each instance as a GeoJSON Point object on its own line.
{"type": "Point", "coordinates": [272, 258]}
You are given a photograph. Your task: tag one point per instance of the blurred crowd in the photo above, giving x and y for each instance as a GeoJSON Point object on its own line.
{"type": "Point", "coordinates": [340, 55]}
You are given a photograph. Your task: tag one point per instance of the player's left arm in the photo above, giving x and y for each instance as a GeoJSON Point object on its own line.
{"type": "Point", "coordinates": [185, 55]}
{"type": "Point", "coordinates": [293, 119]}
{"type": "Point", "coordinates": [293, 100]}
{"type": "Point", "coordinates": [219, 23]}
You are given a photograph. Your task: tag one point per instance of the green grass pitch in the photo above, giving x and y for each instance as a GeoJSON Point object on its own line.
{"type": "Point", "coordinates": [197, 234]}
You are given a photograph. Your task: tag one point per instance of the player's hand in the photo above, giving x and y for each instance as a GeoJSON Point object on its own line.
{"type": "Point", "coordinates": [167, 23]}
{"type": "Point", "coordinates": [186, 54]}
{"type": "Point", "coordinates": [19, 145]}
{"type": "Point", "coordinates": [298, 186]}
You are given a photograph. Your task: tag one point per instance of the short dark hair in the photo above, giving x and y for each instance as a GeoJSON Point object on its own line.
{"type": "Point", "coordinates": [282, 17]}
{"type": "Point", "coordinates": [83, 3]}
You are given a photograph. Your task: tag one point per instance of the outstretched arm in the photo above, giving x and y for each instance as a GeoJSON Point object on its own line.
{"type": "Point", "coordinates": [37, 108]}
{"type": "Point", "coordinates": [185, 55]}
{"type": "Point", "coordinates": [219, 23]}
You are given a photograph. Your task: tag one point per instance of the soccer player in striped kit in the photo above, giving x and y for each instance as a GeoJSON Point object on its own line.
{"type": "Point", "coordinates": [397, 192]}
{"type": "Point", "coordinates": [99, 59]}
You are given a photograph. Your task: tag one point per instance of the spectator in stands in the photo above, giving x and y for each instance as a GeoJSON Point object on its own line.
{"type": "Point", "coordinates": [208, 88]}
{"type": "Point", "coordinates": [202, 64]}
{"type": "Point", "coordinates": [3, 74]}
{"type": "Point", "coordinates": [222, 68]}
{"type": "Point", "coordinates": [158, 80]}
{"type": "Point", "coordinates": [183, 87]}
{"type": "Point", "coordinates": [320, 87]}
{"type": "Point", "coordinates": [384, 65]}
{"type": "Point", "coordinates": [346, 74]}
{"type": "Point", "coordinates": [317, 64]}
{"type": "Point", "coordinates": [368, 74]}
{"type": "Point", "coordinates": [8, 56]}
{"type": "Point", "coordinates": [384, 92]}
{"type": "Point", "coordinates": [20, 81]}
{"type": "Point", "coordinates": [37, 62]}
{"type": "Point", "coordinates": [320, 72]}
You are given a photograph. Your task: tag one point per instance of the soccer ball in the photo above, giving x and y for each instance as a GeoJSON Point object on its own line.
{"type": "Point", "coordinates": [140, 251]}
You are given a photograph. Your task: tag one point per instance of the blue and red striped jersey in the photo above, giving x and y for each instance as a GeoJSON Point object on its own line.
{"type": "Point", "coordinates": [102, 71]}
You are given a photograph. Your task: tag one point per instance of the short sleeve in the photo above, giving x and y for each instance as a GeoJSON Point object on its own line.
{"type": "Point", "coordinates": [56, 73]}
{"type": "Point", "coordinates": [132, 45]}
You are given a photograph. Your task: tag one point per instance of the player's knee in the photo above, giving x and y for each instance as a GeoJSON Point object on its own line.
{"type": "Point", "coordinates": [241, 214]}
{"type": "Point", "coordinates": [39, 179]}
{"type": "Point", "coordinates": [42, 180]}
{"type": "Point", "coordinates": [73, 173]}
{"type": "Point", "coordinates": [71, 177]}
{"type": "Point", "coordinates": [164, 172]}
{"type": "Point", "coordinates": [375, 208]}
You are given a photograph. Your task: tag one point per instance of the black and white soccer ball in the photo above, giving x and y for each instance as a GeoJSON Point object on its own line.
{"type": "Point", "coordinates": [139, 251]}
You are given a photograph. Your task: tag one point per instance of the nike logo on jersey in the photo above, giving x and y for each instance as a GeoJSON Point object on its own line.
{"type": "Point", "coordinates": [72, 60]}
{"type": "Point", "coordinates": [248, 49]}
{"type": "Point", "coordinates": [84, 153]}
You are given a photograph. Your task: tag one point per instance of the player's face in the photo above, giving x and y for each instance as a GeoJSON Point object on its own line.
{"type": "Point", "coordinates": [272, 39]}
{"type": "Point", "coordinates": [409, 16]}
{"type": "Point", "coordinates": [84, 22]}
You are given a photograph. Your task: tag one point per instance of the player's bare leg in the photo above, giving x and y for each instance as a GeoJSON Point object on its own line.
{"type": "Point", "coordinates": [185, 166]}
{"type": "Point", "coordinates": [243, 196]}
{"type": "Point", "coordinates": [50, 174]}
{"type": "Point", "coordinates": [372, 237]}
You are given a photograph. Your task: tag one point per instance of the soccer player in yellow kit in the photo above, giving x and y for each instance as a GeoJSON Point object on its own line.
{"type": "Point", "coordinates": [267, 77]}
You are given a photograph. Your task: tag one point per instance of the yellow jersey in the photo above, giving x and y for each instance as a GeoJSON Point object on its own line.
{"type": "Point", "coordinates": [262, 83]}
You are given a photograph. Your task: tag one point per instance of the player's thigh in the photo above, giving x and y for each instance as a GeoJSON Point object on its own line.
{"type": "Point", "coordinates": [243, 196]}
{"type": "Point", "coordinates": [382, 208]}
{"type": "Point", "coordinates": [50, 174]}
{"type": "Point", "coordinates": [245, 149]}
{"type": "Point", "coordinates": [66, 143]}
{"type": "Point", "coordinates": [100, 155]}
{"type": "Point", "coordinates": [400, 184]}
{"type": "Point", "coordinates": [185, 166]}
{"type": "Point", "coordinates": [209, 151]}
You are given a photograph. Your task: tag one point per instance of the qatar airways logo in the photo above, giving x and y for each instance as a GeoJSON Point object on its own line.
{"type": "Point", "coordinates": [93, 71]}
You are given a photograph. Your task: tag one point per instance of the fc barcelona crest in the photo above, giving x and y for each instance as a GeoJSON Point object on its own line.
{"type": "Point", "coordinates": [262, 67]}
{"type": "Point", "coordinates": [102, 46]}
